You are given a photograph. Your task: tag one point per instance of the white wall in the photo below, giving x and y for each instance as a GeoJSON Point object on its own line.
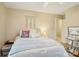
{"type": "Point", "coordinates": [2, 24]}
{"type": "Point", "coordinates": [16, 20]}
{"type": "Point", "coordinates": [71, 19]}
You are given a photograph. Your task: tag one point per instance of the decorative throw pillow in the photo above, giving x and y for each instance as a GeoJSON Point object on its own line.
{"type": "Point", "coordinates": [25, 34]}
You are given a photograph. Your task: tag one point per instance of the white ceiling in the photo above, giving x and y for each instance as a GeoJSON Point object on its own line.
{"type": "Point", "coordinates": [48, 7]}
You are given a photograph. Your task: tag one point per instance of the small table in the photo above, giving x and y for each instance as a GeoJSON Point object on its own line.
{"type": "Point", "coordinates": [6, 48]}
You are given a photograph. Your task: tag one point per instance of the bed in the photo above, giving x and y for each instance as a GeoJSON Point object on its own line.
{"type": "Point", "coordinates": [37, 47]}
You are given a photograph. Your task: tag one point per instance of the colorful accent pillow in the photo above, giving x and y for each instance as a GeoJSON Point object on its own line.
{"type": "Point", "coordinates": [25, 34]}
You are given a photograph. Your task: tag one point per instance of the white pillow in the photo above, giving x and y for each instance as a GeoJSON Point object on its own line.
{"type": "Point", "coordinates": [20, 33]}
{"type": "Point", "coordinates": [34, 33]}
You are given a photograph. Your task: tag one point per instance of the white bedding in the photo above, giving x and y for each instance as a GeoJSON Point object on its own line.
{"type": "Point", "coordinates": [37, 47]}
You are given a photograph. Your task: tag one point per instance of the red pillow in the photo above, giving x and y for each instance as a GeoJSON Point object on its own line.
{"type": "Point", "coordinates": [25, 34]}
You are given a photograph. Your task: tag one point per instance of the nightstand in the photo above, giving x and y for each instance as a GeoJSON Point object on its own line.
{"type": "Point", "coordinates": [6, 48]}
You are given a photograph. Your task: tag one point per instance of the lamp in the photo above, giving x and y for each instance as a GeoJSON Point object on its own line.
{"type": "Point", "coordinates": [44, 34]}
{"type": "Point", "coordinates": [44, 31]}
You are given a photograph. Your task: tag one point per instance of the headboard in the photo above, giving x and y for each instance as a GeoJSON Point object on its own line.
{"type": "Point", "coordinates": [73, 30]}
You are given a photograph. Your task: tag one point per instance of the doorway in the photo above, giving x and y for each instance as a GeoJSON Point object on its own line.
{"type": "Point", "coordinates": [58, 29]}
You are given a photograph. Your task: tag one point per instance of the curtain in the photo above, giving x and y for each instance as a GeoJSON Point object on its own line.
{"type": "Point", "coordinates": [30, 22]}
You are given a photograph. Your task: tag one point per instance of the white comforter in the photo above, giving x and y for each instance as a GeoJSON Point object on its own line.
{"type": "Point", "coordinates": [37, 47]}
